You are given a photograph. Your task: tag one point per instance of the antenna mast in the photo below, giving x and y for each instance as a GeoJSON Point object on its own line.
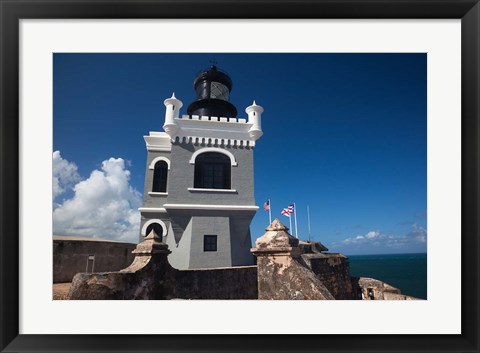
{"type": "Point", "coordinates": [308, 214]}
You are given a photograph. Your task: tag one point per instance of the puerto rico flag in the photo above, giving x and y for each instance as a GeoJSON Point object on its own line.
{"type": "Point", "coordinates": [291, 208]}
{"type": "Point", "coordinates": [266, 205]}
{"type": "Point", "coordinates": [286, 212]}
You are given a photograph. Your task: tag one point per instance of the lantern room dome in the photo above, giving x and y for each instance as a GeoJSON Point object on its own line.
{"type": "Point", "coordinates": [212, 88]}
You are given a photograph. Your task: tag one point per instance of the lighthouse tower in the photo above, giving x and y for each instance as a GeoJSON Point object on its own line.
{"type": "Point", "coordinates": [199, 194]}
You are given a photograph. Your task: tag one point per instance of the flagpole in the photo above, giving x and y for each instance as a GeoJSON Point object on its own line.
{"type": "Point", "coordinates": [290, 217]}
{"type": "Point", "coordinates": [270, 211]}
{"type": "Point", "coordinates": [308, 215]}
{"type": "Point", "coordinates": [296, 227]}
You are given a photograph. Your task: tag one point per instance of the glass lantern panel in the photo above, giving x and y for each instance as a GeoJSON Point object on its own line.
{"type": "Point", "coordinates": [218, 91]}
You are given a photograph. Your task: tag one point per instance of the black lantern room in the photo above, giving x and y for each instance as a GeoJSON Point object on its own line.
{"type": "Point", "coordinates": [212, 88]}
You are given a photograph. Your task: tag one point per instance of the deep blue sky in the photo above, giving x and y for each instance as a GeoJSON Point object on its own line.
{"type": "Point", "coordinates": [343, 133]}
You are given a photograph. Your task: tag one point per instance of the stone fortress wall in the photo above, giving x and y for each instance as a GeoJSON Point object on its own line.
{"type": "Point", "coordinates": [285, 270]}
{"type": "Point", "coordinates": [72, 255]}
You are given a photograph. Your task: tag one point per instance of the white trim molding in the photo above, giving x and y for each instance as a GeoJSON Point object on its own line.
{"type": "Point", "coordinates": [158, 141]}
{"type": "Point", "coordinates": [159, 221]}
{"type": "Point", "coordinates": [161, 158]}
{"type": "Point", "coordinates": [181, 206]}
{"type": "Point", "coordinates": [214, 149]}
{"type": "Point", "coordinates": [159, 149]}
{"type": "Point", "coordinates": [212, 190]}
{"type": "Point", "coordinates": [154, 193]}
{"type": "Point", "coordinates": [152, 209]}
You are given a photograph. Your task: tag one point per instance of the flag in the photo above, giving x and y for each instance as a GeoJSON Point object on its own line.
{"type": "Point", "coordinates": [266, 205]}
{"type": "Point", "coordinates": [286, 212]}
{"type": "Point", "coordinates": [291, 208]}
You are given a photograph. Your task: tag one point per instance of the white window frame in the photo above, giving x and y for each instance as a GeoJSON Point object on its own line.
{"type": "Point", "coordinates": [157, 159]}
{"type": "Point", "coordinates": [229, 154]}
{"type": "Point", "coordinates": [155, 220]}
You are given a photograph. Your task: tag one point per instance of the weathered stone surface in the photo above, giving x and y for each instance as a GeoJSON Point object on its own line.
{"type": "Point", "coordinates": [395, 296]}
{"type": "Point", "coordinates": [217, 283]}
{"type": "Point", "coordinates": [373, 289]}
{"type": "Point", "coordinates": [276, 238]}
{"type": "Point", "coordinates": [312, 247]}
{"type": "Point", "coordinates": [281, 272]}
{"type": "Point", "coordinates": [60, 291]}
{"type": "Point", "coordinates": [150, 276]}
{"type": "Point", "coordinates": [333, 271]}
{"type": "Point", "coordinates": [283, 278]}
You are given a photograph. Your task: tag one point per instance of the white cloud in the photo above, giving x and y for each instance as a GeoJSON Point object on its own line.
{"type": "Point", "coordinates": [65, 174]}
{"type": "Point", "coordinates": [416, 236]}
{"type": "Point", "coordinates": [361, 239]}
{"type": "Point", "coordinates": [103, 206]}
{"type": "Point", "coordinates": [418, 233]}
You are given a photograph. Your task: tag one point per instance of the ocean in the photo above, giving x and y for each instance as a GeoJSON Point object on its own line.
{"type": "Point", "coordinates": [407, 272]}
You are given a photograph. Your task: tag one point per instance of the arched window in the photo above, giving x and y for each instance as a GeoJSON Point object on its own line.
{"type": "Point", "coordinates": [160, 173]}
{"type": "Point", "coordinates": [212, 171]}
{"type": "Point", "coordinates": [156, 227]}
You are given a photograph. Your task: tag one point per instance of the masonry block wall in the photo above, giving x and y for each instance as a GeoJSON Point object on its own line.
{"type": "Point", "coordinates": [334, 272]}
{"type": "Point", "coordinates": [71, 256]}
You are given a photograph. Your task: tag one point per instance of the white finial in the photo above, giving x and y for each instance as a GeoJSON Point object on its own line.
{"type": "Point", "coordinates": [254, 103]}
{"type": "Point", "coordinates": [173, 95]}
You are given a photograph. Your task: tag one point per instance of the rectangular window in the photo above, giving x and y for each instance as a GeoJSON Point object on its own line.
{"type": "Point", "coordinates": [209, 243]}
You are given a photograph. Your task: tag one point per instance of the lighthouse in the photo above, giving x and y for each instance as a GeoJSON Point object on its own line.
{"type": "Point", "coordinates": [199, 182]}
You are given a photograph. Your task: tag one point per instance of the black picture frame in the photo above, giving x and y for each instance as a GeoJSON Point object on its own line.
{"type": "Point", "coordinates": [13, 10]}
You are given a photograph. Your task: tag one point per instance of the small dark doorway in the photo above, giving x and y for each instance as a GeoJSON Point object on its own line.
{"type": "Point", "coordinates": [90, 264]}
{"type": "Point", "coordinates": [157, 229]}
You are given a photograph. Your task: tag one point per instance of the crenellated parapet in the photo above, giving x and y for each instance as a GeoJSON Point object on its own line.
{"type": "Point", "coordinates": [212, 130]}
{"type": "Point", "coordinates": [213, 118]}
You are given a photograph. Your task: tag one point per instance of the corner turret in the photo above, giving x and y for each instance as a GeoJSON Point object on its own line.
{"type": "Point", "coordinates": [172, 112]}
{"type": "Point", "coordinates": [255, 118]}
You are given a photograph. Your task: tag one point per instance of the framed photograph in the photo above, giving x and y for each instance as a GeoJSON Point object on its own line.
{"type": "Point", "coordinates": [363, 117]}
